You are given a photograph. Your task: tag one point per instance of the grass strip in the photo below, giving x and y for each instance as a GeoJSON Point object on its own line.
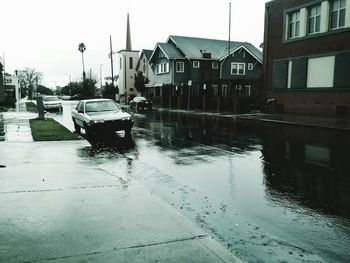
{"type": "Point", "coordinates": [31, 106]}
{"type": "Point", "coordinates": [50, 130]}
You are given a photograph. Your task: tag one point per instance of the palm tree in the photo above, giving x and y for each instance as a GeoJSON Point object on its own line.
{"type": "Point", "coordinates": [82, 48]}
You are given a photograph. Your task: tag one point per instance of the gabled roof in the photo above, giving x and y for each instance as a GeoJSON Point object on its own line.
{"type": "Point", "coordinates": [193, 48]}
{"type": "Point", "coordinates": [147, 52]}
{"type": "Point", "coordinates": [169, 50]}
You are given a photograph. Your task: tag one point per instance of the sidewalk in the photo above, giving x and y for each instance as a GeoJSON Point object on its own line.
{"type": "Point", "coordinates": [58, 204]}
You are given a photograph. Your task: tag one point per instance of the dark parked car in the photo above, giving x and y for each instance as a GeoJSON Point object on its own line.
{"type": "Point", "coordinates": [100, 117]}
{"type": "Point", "coordinates": [141, 103]}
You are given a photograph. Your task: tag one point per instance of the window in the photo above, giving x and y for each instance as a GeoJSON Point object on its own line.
{"type": "Point", "coordinates": [225, 91]}
{"type": "Point", "coordinates": [180, 66]}
{"type": "Point", "coordinates": [237, 69]}
{"type": "Point", "coordinates": [293, 25]}
{"type": "Point", "coordinates": [317, 65]}
{"type": "Point", "coordinates": [131, 63]}
{"type": "Point", "coordinates": [162, 68]}
{"type": "Point", "coordinates": [196, 64]}
{"type": "Point", "coordinates": [314, 19]}
{"type": "Point", "coordinates": [215, 89]}
{"type": "Point", "coordinates": [250, 66]}
{"type": "Point", "coordinates": [215, 65]}
{"type": "Point", "coordinates": [337, 15]}
{"type": "Point", "coordinates": [144, 68]}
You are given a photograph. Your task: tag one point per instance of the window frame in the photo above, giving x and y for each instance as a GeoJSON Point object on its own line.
{"type": "Point", "coordinates": [250, 66]}
{"type": "Point", "coordinates": [293, 24]}
{"type": "Point", "coordinates": [316, 17]}
{"type": "Point", "coordinates": [332, 10]}
{"type": "Point", "coordinates": [180, 67]}
{"type": "Point", "coordinates": [216, 65]}
{"type": "Point", "coordinates": [237, 73]}
{"type": "Point", "coordinates": [196, 64]}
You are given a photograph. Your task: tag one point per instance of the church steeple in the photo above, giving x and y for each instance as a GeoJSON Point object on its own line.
{"type": "Point", "coordinates": [128, 36]}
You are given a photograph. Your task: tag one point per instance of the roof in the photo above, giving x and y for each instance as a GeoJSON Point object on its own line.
{"type": "Point", "coordinates": [169, 50]}
{"type": "Point", "coordinates": [193, 47]}
{"type": "Point", "coordinates": [147, 52]}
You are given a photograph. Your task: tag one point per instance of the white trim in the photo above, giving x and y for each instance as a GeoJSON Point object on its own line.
{"type": "Point", "coordinates": [215, 63]}
{"type": "Point", "coordinates": [290, 69]}
{"type": "Point", "coordinates": [246, 49]}
{"type": "Point", "coordinates": [347, 13]}
{"type": "Point", "coordinates": [250, 66]}
{"type": "Point", "coordinates": [196, 64]}
{"type": "Point", "coordinates": [325, 7]}
{"type": "Point", "coordinates": [303, 22]}
{"type": "Point", "coordinates": [238, 68]}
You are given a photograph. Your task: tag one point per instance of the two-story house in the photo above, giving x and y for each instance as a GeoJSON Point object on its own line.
{"type": "Point", "coordinates": [204, 73]}
{"type": "Point", "coordinates": [307, 56]}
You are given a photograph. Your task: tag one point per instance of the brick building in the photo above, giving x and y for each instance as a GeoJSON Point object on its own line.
{"type": "Point", "coordinates": [307, 56]}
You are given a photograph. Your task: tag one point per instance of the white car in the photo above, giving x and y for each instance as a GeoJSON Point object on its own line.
{"type": "Point", "coordinates": [52, 102]}
{"type": "Point", "coordinates": [99, 117]}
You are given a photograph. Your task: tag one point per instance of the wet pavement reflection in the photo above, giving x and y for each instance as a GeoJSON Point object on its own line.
{"type": "Point", "coordinates": [270, 193]}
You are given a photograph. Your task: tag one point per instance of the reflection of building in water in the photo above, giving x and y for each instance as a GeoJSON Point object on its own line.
{"type": "Point", "coordinates": [313, 168]}
{"type": "Point", "coordinates": [183, 130]}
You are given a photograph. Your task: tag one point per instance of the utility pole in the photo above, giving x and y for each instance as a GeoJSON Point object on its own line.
{"type": "Point", "coordinates": [111, 56]}
{"type": "Point", "coordinates": [229, 30]}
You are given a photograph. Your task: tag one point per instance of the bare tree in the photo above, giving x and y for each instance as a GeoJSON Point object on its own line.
{"type": "Point", "coordinates": [30, 78]}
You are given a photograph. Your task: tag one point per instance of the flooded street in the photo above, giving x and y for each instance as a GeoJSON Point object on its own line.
{"type": "Point", "coordinates": [269, 193]}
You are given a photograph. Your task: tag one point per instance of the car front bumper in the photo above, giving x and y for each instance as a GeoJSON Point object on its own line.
{"type": "Point", "coordinates": [110, 126]}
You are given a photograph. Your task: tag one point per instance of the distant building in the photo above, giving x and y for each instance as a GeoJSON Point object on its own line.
{"type": "Point", "coordinates": [205, 73]}
{"type": "Point", "coordinates": [2, 92]}
{"type": "Point", "coordinates": [144, 66]}
{"type": "Point", "coordinates": [307, 56]}
{"type": "Point", "coordinates": [127, 68]}
{"type": "Point", "coordinates": [11, 88]}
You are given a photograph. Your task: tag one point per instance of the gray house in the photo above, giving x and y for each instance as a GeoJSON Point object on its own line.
{"type": "Point", "coordinates": [205, 73]}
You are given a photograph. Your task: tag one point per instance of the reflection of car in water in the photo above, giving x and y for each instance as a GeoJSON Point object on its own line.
{"type": "Point", "coordinates": [52, 102]}
{"type": "Point", "coordinates": [141, 103]}
{"type": "Point", "coordinates": [101, 117]}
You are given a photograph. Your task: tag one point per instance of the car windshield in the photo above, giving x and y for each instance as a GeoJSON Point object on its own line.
{"type": "Point", "coordinates": [54, 98]}
{"type": "Point", "coordinates": [138, 99]}
{"type": "Point", "coordinates": [105, 105]}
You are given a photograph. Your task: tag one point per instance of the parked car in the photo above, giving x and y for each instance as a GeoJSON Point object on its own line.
{"type": "Point", "coordinates": [141, 103]}
{"type": "Point", "coordinates": [99, 117]}
{"type": "Point", "coordinates": [52, 102]}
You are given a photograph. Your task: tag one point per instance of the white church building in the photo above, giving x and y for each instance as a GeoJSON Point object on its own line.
{"type": "Point", "coordinates": [128, 59]}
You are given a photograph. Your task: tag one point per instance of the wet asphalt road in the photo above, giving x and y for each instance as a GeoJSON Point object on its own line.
{"type": "Point", "coordinates": [268, 193]}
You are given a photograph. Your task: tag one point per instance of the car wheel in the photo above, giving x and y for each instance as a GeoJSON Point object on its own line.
{"type": "Point", "coordinates": [127, 133]}
{"type": "Point", "coordinates": [77, 128]}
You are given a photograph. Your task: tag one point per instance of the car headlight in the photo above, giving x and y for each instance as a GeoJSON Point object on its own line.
{"type": "Point", "coordinates": [125, 118]}
{"type": "Point", "coordinates": [96, 121]}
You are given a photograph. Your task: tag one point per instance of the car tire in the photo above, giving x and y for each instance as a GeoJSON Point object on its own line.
{"type": "Point", "coordinates": [77, 127]}
{"type": "Point", "coordinates": [127, 133]}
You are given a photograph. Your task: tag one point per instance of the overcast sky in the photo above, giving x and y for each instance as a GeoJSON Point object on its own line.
{"type": "Point", "coordinates": [45, 34]}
